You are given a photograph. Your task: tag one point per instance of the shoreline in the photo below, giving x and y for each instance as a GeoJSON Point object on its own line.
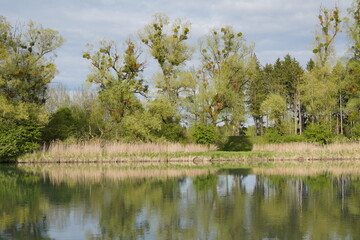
{"type": "Point", "coordinates": [195, 158]}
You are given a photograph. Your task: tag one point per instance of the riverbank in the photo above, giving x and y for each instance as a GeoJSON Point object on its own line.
{"type": "Point", "coordinates": [189, 154]}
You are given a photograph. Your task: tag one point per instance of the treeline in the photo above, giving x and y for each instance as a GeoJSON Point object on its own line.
{"type": "Point", "coordinates": [203, 103]}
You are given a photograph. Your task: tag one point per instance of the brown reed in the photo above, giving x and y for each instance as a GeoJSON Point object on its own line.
{"type": "Point", "coordinates": [301, 147]}
{"type": "Point", "coordinates": [112, 148]}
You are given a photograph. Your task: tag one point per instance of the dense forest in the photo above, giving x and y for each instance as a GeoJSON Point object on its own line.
{"type": "Point", "coordinates": [184, 102]}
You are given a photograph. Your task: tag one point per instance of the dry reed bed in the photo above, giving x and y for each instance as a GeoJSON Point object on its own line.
{"type": "Point", "coordinates": [114, 152]}
{"type": "Point", "coordinates": [113, 148]}
{"type": "Point", "coordinates": [309, 147]}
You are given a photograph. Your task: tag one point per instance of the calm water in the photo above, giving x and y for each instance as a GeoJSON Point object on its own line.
{"type": "Point", "coordinates": [229, 204]}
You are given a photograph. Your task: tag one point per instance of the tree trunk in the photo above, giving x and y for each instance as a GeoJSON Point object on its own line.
{"type": "Point", "coordinates": [257, 122]}
{"type": "Point", "coordinates": [295, 114]}
{"type": "Point", "coordinates": [337, 124]}
{"type": "Point", "coordinates": [300, 119]}
{"type": "Point", "coordinates": [235, 129]}
{"type": "Point", "coordinates": [341, 116]}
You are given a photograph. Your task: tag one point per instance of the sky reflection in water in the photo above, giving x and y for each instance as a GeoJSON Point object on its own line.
{"type": "Point", "coordinates": [226, 204]}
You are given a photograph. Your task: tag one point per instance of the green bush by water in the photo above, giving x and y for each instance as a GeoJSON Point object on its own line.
{"type": "Point", "coordinates": [237, 143]}
{"type": "Point", "coordinates": [318, 133]}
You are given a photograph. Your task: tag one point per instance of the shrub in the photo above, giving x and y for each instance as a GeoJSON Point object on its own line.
{"type": "Point", "coordinates": [318, 133]}
{"type": "Point", "coordinates": [356, 131]}
{"type": "Point", "coordinates": [60, 126]}
{"type": "Point", "coordinates": [292, 138]}
{"type": "Point", "coordinates": [237, 143]}
{"type": "Point", "coordinates": [273, 135]}
{"type": "Point", "coordinates": [18, 138]}
{"type": "Point", "coordinates": [204, 134]}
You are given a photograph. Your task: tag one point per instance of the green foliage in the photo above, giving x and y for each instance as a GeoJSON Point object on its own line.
{"type": "Point", "coordinates": [257, 91]}
{"type": "Point", "coordinates": [355, 131]}
{"type": "Point", "coordinates": [167, 45]}
{"type": "Point", "coordinates": [170, 130]}
{"type": "Point", "coordinates": [274, 107]}
{"type": "Point", "coordinates": [319, 94]}
{"type": "Point", "coordinates": [318, 133]}
{"type": "Point", "coordinates": [354, 28]}
{"type": "Point", "coordinates": [61, 125]}
{"type": "Point", "coordinates": [329, 21]}
{"type": "Point", "coordinates": [26, 68]}
{"type": "Point", "coordinates": [140, 126]}
{"type": "Point", "coordinates": [273, 135]}
{"type": "Point", "coordinates": [226, 67]}
{"type": "Point", "coordinates": [237, 143]}
{"type": "Point", "coordinates": [204, 134]}
{"type": "Point", "coordinates": [18, 138]}
{"type": "Point", "coordinates": [292, 138]}
{"type": "Point", "coordinates": [118, 78]}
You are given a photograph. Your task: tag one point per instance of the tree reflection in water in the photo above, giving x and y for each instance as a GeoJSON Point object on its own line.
{"type": "Point", "coordinates": [228, 204]}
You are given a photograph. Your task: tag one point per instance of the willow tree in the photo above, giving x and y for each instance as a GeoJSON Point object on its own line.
{"type": "Point", "coordinates": [168, 46]}
{"type": "Point", "coordinates": [319, 88]}
{"type": "Point", "coordinates": [329, 21]}
{"type": "Point", "coordinates": [226, 67]}
{"type": "Point", "coordinates": [353, 68]}
{"type": "Point", "coordinates": [26, 68]}
{"type": "Point", "coordinates": [354, 28]}
{"type": "Point", "coordinates": [118, 77]}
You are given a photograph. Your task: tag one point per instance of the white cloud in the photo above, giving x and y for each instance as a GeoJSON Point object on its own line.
{"type": "Point", "coordinates": [277, 27]}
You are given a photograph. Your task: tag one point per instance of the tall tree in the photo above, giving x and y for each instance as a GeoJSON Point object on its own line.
{"type": "Point", "coordinates": [226, 68]}
{"type": "Point", "coordinates": [319, 89]}
{"type": "Point", "coordinates": [354, 28]}
{"type": "Point", "coordinates": [257, 91]}
{"type": "Point", "coordinates": [118, 77]}
{"type": "Point", "coordinates": [353, 68]}
{"type": "Point", "coordinates": [26, 68]}
{"type": "Point", "coordinates": [168, 46]}
{"type": "Point", "coordinates": [339, 76]}
{"type": "Point", "coordinates": [329, 20]}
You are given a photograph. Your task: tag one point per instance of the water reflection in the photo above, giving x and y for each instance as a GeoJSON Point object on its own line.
{"type": "Point", "coordinates": [227, 204]}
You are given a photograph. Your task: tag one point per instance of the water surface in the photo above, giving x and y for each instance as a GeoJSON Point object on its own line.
{"type": "Point", "coordinates": [221, 204]}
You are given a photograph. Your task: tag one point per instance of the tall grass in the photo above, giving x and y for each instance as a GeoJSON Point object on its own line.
{"type": "Point", "coordinates": [97, 151]}
{"type": "Point", "coordinates": [188, 153]}
{"type": "Point", "coordinates": [301, 147]}
{"type": "Point", "coordinates": [118, 148]}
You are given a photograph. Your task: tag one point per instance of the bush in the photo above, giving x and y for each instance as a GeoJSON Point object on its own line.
{"type": "Point", "coordinates": [60, 126]}
{"type": "Point", "coordinates": [318, 133]}
{"type": "Point", "coordinates": [273, 135]}
{"type": "Point", "coordinates": [204, 134]}
{"type": "Point", "coordinates": [17, 139]}
{"type": "Point", "coordinates": [292, 138]}
{"type": "Point", "coordinates": [355, 131]}
{"type": "Point", "coordinates": [172, 132]}
{"type": "Point", "coordinates": [237, 143]}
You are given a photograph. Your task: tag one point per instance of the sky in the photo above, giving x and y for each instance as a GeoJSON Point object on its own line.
{"type": "Point", "coordinates": [276, 27]}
